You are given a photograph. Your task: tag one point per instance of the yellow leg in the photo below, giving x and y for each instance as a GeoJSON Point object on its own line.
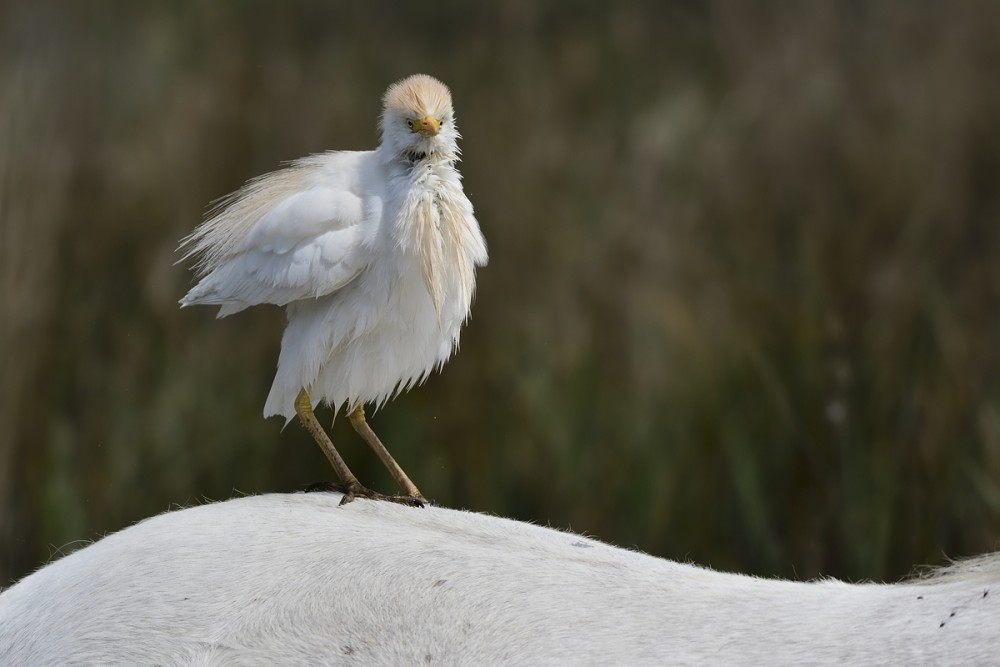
{"type": "Point", "coordinates": [357, 418]}
{"type": "Point", "coordinates": [303, 408]}
{"type": "Point", "coordinates": [352, 487]}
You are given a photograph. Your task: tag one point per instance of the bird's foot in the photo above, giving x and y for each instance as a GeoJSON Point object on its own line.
{"type": "Point", "coordinates": [357, 490]}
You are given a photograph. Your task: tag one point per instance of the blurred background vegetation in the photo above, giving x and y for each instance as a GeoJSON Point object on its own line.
{"type": "Point", "coordinates": [743, 305]}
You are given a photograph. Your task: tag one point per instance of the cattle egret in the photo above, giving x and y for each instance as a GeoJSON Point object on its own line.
{"type": "Point", "coordinates": [373, 253]}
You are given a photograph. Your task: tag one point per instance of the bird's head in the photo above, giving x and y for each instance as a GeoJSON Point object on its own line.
{"type": "Point", "coordinates": [417, 119]}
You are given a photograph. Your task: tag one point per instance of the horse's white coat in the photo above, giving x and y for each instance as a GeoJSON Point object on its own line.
{"type": "Point", "coordinates": [297, 580]}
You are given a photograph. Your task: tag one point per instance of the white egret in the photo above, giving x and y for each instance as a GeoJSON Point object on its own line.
{"type": "Point", "coordinates": [373, 253]}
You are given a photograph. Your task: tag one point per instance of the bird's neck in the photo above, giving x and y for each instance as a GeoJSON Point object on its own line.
{"type": "Point", "coordinates": [413, 156]}
{"type": "Point", "coordinates": [410, 157]}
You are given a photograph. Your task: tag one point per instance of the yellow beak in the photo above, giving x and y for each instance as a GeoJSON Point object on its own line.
{"type": "Point", "coordinates": [428, 126]}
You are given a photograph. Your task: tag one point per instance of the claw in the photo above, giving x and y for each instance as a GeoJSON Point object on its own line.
{"type": "Point", "coordinates": [354, 491]}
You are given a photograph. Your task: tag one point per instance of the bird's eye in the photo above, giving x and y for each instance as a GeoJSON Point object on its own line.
{"type": "Point", "coordinates": [409, 124]}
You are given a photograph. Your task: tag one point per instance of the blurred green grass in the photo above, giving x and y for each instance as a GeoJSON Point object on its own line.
{"type": "Point", "coordinates": [743, 303]}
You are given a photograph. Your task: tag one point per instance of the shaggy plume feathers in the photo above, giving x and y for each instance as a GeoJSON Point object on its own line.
{"type": "Point", "coordinates": [418, 94]}
{"type": "Point", "coordinates": [373, 252]}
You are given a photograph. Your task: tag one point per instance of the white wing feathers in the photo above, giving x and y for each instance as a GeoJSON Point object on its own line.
{"type": "Point", "coordinates": [285, 236]}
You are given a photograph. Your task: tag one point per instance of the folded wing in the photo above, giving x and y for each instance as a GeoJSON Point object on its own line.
{"type": "Point", "coordinates": [281, 238]}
